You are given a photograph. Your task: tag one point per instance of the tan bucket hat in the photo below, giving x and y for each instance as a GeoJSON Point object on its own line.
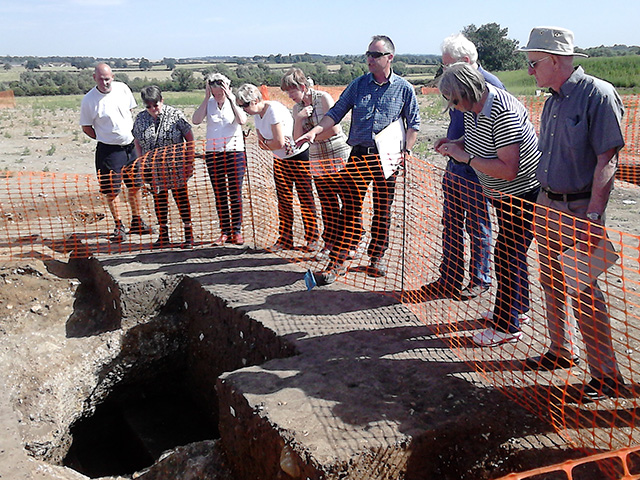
{"type": "Point", "coordinates": [554, 40]}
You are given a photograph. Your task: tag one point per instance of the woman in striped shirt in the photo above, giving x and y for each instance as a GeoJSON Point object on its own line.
{"type": "Point", "coordinates": [500, 143]}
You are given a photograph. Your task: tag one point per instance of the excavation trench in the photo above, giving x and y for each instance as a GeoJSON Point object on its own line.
{"type": "Point", "coordinates": [158, 393]}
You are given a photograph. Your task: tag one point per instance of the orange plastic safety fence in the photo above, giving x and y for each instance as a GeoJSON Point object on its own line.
{"type": "Point", "coordinates": [365, 214]}
{"type": "Point", "coordinates": [622, 464]}
{"type": "Point", "coordinates": [7, 99]}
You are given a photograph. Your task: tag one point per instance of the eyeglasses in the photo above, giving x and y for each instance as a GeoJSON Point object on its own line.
{"type": "Point", "coordinates": [454, 102]}
{"type": "Point", "coordinates": [532, 65]}
{"type": "Point", "coordinates": [244, 105]}
{"type": "Point", "coordinates": [377, 54]}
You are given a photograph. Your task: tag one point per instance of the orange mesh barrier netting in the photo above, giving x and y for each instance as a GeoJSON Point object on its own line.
{"type": "Point", "coordinates": [623, 464]}
{"type": "Point", "coordinates": [7, 100]}
{"type": "Point", "coordinates": [47, 215]}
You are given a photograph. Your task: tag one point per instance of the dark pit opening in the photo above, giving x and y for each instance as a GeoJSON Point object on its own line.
{"type": "Point", "coordinates": [136, 424]}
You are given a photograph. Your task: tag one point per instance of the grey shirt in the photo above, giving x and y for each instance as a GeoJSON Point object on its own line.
{"type": "Point", "coordinates": [578, 123]}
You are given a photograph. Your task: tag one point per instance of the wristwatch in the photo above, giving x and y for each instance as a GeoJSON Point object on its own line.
{"type": "Point", "coordinates": [407, 151]}
{"type": "Point", "coordinates": [594, 216]}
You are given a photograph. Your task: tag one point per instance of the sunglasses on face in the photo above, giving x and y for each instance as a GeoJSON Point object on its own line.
{"type": "Point", "coordinates": [532, 65]}
{"type": "Point", "coordinates": [216, 83]}
{"type": "Point", "coordinates": [377, 54]}
{"type": "Point", "coordinates": [244, 105]}
{"type": "Point", "coordinates": [151, 106]}
{"type": "Point", "coordinates": [454, 102]}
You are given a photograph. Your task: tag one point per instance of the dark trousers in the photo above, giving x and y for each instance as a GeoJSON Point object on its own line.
{"type": "Point", "coordinates": [515, 216]}
{"type": "Point", "coordinates": [353, 181]}
{"type": "Point", "coordinates": [161, 204]}
{"type": "Point", "coordinates": [226, 171]}
{"type": "Point", "coordinates": [330, 198]}
{"type": "Point", "coordinates": [289, 173]}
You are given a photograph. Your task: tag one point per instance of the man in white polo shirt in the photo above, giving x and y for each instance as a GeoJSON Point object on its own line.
{"type": "Point", "coordinates": [105, 116]}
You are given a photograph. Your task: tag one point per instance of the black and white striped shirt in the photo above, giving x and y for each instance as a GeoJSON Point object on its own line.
{"type": "Point", "coordinates": [503, 121]}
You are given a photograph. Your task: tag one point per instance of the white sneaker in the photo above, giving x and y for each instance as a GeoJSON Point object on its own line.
{"type": "Point", "coordinates": [523, 318]}
{"type": "Point", "coordinates": [490, 337]}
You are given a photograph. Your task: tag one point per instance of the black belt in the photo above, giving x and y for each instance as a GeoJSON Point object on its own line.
{"type": "Point", "coordinates": [362, 150]}
{"type": "Point", "coordinates": [567, 197]}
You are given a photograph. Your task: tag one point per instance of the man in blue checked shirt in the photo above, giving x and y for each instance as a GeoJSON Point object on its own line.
{"type": "Point", "coordinates": [375, 100]}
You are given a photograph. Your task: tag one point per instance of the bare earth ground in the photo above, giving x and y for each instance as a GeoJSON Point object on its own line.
{"type": "Point", "coordinates": [34, 299]}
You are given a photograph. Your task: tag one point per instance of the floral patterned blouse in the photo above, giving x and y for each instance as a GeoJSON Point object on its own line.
{"type": "Point", "coordinates": [164, 163]}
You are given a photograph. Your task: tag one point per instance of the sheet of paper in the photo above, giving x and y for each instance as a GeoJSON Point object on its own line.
{"type": "Point", "coordinates": [580, 269]}
{"type": "Point", "coordinates": [390, 142]}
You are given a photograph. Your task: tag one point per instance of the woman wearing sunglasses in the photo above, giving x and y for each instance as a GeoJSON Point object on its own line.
{"type": "Point", "coordinates": [164, 135]}
{"type": "Point", "coordinates": [500, 143]}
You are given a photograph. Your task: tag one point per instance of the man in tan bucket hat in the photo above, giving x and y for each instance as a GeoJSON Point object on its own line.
{"type": "Point", "coordinates": [580, 136]}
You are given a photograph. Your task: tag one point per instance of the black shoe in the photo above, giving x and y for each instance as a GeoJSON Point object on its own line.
{"type": "Point", "coordinates": [336, 268]}
{"type": "Point", "coordinates": [607, 387]}
{"type": "Point", "coordinates": [551, 361]}
{"type": "Point", "coordinates": [119, 235]}
{"type": "Point", "coordinates": [163, 239]}
{"type": "Point", "coordinates": [473, 291]}
{"type": "Point", "coordinates": [188, 236]}
{"type": "Point", "coordinates": [138, 227]}
{"type": "Point", "coordinates": [377, 267]}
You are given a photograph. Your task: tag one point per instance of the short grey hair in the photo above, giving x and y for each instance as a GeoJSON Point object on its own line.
{"type": "Point", "coordinates": [391, 48]}
{"type": "Point", "coordinates": [212, 77]}
{"type": "Point", "coordinates": [248, 93]}
{"type": "Point", "coordinates": [461, 80]}
{"type": "Point", "coordinates": [151, 93]}
{"type": "Point", "coordinates": [458, 46]}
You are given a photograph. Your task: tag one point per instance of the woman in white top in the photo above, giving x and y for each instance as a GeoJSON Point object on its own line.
{"type": "Point", "coordinates": [274, 125]}
{"type": "Point", "coordinates": [225, 154]}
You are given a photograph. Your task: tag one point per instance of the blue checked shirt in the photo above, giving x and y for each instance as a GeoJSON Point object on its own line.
{"type": "Point", "coordinates": [376, 106]}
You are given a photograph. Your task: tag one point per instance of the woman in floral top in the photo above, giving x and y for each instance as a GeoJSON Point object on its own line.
{"type": "Point", "coordinates": [164, 135]}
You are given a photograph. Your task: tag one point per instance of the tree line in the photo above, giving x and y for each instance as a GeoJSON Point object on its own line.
{"type": "Point", "coordinates": [496, 52]}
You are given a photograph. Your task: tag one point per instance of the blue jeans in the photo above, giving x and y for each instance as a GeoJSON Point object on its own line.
{"type": "Point", "coordinates": [465, 205]}
{"type": "Point", "coordinates": [515, 221]}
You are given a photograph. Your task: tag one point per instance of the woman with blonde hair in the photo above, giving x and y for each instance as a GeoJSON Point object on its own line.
{"type": "Point", "coordinates": [328, 154]}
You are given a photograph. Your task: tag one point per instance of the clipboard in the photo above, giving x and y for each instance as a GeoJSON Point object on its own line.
{"type": "Point", "coordinates": [390, 142]}
{"type": "Point", "coordinates": [581, 269]}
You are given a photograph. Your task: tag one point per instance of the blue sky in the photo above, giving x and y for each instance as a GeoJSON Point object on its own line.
{"type": "Point", "coordinates": [162, 28]}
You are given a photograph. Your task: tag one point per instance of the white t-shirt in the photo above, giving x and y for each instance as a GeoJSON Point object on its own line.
{"type": "Point", "coordinates": [224, 133]}
{"type": "Point", "coordinates": [276, 113]}
{"type": "Point", "coordinates": [109, 114]}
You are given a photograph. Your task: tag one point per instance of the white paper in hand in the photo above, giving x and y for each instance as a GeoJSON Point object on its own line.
{"type": "Point", "coordinates": [390, 142]}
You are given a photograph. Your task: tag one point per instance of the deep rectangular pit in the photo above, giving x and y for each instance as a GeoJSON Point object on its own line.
{"type": "Point", "coordinates": [159, 393]}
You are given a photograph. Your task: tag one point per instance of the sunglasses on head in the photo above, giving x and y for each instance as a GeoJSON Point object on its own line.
{"type": "Point", "coordinates": [377, 54]}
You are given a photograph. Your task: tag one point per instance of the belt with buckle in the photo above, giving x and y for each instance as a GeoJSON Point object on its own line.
{"type": "Point", "coordinates": [362, 150]}
{"type": "Point", "coordinates": [567, 197]}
